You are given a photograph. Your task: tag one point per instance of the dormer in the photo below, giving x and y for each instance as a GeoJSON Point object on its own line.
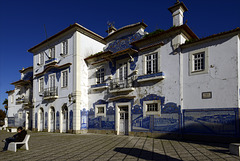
{"type": "Point", "coordinates": [177, 12]}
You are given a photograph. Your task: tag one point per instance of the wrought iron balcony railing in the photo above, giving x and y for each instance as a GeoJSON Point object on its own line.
{"type": "Point", "coordinates": [24, 100]}
{"type": "Point", "coordinates": [121, 84]}
{"type": "Point", "coordinates": [51, 92]}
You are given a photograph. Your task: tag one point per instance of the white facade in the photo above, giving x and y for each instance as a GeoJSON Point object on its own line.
{"type": "Point", "coordinates": [61, 81]}
{"type": "Point", "coordinates": [134, 83]}
{"type": "Point", "coordinates": [20, 100]}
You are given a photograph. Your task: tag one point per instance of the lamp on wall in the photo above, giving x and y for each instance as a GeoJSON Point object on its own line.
{"type": "Point", "coordinates": [71, 98]}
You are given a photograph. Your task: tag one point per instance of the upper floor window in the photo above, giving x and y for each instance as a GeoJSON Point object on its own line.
{"type": "Point", "coordinates": [198, 62]}
{"type": "Point", "coordinates": [65, 47]}
{"type": "Point", "coordinates": [41, 58]}
{"type": "Point", "coordinates": [123, 71]}
{"type": "Point", "coordinates": [52, 81]}
{"type": "Point", "coordinates": [151, 63]}
{"type": "Point", "coordinates": [64, 78]}
{"type": "Point", "coordinates": [41, 85]}
{"type": "Point", "coordinates": [100, 75]}
{"type": "Point", "coordinates": [52, 52]}
{"type": "Point", "coordinates": [12, 98]}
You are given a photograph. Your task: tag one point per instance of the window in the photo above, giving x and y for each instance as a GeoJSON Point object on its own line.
{"type": "Point", "coordinates": [65, 78]}
{"type": "Point", "coordinates": [100, 110]}
{"type": "Point", "coordinates": [52, 81]}
{"type": "Point", "coordinates": [100, 75]}
{"type": "Point", "coordinates": [41, 85]}
{"type": "Point", "coordinates": [151, 63]}
{"type": "Point", "coordinates": [151, 107]}
{"type": "Point", "coordinates": [52, 52]}
{"type": "Point", "coordinates": [41, 58]}
{"type": "Point", "coordinates": [65, 47]}
{"type": "Point", "coordinates": [12, 98]}
{"type": "Point", "coordinates": [123, 71]}
{"type": "Point", "coordinates": [198, 62]}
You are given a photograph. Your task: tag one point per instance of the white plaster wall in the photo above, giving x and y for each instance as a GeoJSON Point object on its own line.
{"type": "Point", "coordinates": [62, 92]}
{"type": "Point", "coordinates": [87, 46]}
{"type": "Point", "coordinates": [221, 79]}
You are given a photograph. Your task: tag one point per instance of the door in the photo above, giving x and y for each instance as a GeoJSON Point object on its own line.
{"type": "Point", "coordinates": [122, 73]}
{"type": "Point", "coordinates": [41, 120]}
{"type": "Point", "coordinates": [52, 85]}
{"type": "Point", "coordinates": [52, 120]}
{"type": "Point", "coordinates": [64, 119]}
{"type": "Point", "coordinates": [123, 122]}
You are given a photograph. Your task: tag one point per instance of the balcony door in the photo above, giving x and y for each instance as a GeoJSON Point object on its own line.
{"type": "Point", "coordinates": [51, 83]}
{"type": "Point", "coordinates": [122, 74]}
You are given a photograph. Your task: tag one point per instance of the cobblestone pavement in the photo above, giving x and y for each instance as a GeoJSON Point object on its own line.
{"type": "Point", "coordinates": [54, 146]}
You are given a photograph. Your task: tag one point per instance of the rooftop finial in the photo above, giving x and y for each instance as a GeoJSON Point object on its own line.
{"type": "Point", "coordinates": [177, 2]}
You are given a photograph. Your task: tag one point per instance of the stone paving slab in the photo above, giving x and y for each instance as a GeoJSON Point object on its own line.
{"type": "Point", "coordinates": [73, 147]}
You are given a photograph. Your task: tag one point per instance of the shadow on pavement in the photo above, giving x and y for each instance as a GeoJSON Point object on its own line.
{"type": "Point", "coordinates": [144, 154]}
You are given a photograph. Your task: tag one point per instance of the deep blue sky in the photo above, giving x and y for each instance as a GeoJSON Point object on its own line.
{"type": "Point", "coordinates": [22, 23]}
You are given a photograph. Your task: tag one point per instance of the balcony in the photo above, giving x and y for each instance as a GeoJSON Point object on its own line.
{"type": "Point", "coordinates": [101, 86]}
{"type": "Point", "coordinates": [126, 85]}
{"type": "Point", "coordinates": [50, 93]}
{"type": "Point", "coordinates": [23, 100]}
{"type": "Point", "coordinates": [151, 77]}
{"type": "Point", "coordinates": [51, 61]}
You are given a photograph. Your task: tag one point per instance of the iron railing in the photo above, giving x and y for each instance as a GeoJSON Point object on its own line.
{"type": "Point", "coordinates": [120, 84]}
{"type": "Point", "coordinates": [51, 91]}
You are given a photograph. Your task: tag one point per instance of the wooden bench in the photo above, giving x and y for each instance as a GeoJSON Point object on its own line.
{"type": "Point", "coordinates": [13, 145]}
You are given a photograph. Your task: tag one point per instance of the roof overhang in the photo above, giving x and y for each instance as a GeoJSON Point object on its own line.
{"type": "Point", "coordinates": [212, 37]}
{"type": "Point", "coordinates": [68, 30]}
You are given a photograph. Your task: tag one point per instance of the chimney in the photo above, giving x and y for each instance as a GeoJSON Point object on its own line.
{"type": "Point", "coordinates": [177, 12]}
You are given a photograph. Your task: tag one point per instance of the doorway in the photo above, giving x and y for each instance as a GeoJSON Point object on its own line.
{"type": "Point", "coordinates": [52, 120]}
{"type": "Point", "coordinates": [64, 119]}
{"type": "Point", "coordinates": [41, 119]}
{"type": "Point", "coordinates": [123, 121]}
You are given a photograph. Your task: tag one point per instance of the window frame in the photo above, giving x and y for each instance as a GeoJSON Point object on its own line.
{"type": "Point", "coordinates": [100, 114]}
{"type": "Point", "coordinates": [62, 79]}
{"type": "Point", "coordinates": [145, 62]}
{"type": "Point", "coordinates": [65, 47]}
{"type": "Point", "coordinates": [39, 85]}
{"type": "Point", "coordinates": [145, 108]}
{"type": "Point", "coordinates": [51, 55]}
{"type": "Point", "coordinates": [41, 58]}
{"type": "Point", "coordinates": [49, 80]}
{"type": "Point", "coordinates": [101, 78]}
{"type": "Point", "coordinates": [192, 70]}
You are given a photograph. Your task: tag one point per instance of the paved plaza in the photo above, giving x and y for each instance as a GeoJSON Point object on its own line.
{"type": "Point", "coordinates": [54, 146]}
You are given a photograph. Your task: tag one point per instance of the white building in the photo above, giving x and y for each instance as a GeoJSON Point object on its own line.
{"type": "Point", "coordinates": [134, 83]}
{"type": "Point", "coordinates": [60, 78]}
{"type": "Point", "coordinates": [20, 100]}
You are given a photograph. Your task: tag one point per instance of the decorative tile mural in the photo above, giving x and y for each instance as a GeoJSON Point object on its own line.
{"type": "Point", "coordinates": [84, 115]}
{"type": "Point", "coordinates": [57, 120]}
{"type": "Point", "coordinates": [123, 43]}
{"type": "Point", "coordinates": [71, 120]}
{"type": "Point", "coordinates": [46, 120]}
{"type": "Point", "coordinates": [211, 121]}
